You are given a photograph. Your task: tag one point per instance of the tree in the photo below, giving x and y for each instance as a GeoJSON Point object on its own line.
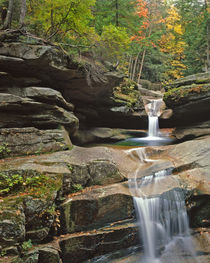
{"type": "Point", "coordinates": [173, 44]}
{"type": "Point", "coordinates": [150, 15]}
{"type": "Point", "coordinates": [194, 21]}
{"type": "Point", "coordinates": [114, 42]}
{"type": "Point", "coordinates": [61, 19]}
{"type": "Point", "coordinates": [22, 13]}
{"type": "Point", "coordinates": [8, 20]}
{"type": "Point", "coordinates": [12, 5]}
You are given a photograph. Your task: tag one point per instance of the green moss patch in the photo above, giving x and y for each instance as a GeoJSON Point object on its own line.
{"type": "Point", "coordinates": [126, 94]}
{"type": "Point", "coordinates": [21, 183]}
{"type": "Point", "coordinates": [176, 95]}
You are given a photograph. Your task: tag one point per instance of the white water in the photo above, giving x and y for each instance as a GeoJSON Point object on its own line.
{"type": "Point", "coordinates": [162, 218]}
{"type": "Point", "coordinates": [153, 113]}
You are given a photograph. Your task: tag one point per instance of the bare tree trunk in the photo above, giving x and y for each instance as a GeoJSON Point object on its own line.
{"type": "Point", "coordinates": [22, 13]}
{"type": "Point", "coordinates": [8, 20]}
{"type": "Point", "coordinates": [207, 2]}
{"type": "Point", "coordinates": [143, 57]}
{"type": "Point", "coordinates": [131, 69]}
{"type": "Point", "coordinates": [134, 68]}
{"type": "Point", "coordinates": [129, 66]}
{"type": "Point", "coordinates": [141, 65]}
{"type": "Point", "coordinates": [117, 12]}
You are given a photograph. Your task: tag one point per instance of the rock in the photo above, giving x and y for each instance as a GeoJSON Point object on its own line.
{"type": "Point", "coordinates": [199, 78]}
{"type": "Point", "coordinates": [199, 211]}
{"type": "Point", "coordinates": [96, 208]}
{"type": "Point", "coordinates": [103, 172]}
{"type": "Point", "coordinates": [82, 166]}
{"type": "Point", "coordinates": [48, 254]}
{"type": "Point", "coordinates": [40, 94]}
{"type": "Point", "coordinates": [26, 141]}
{"type": "Point", "coordinates": [39, 218]}
{"type": "Point", "coordinates": [194, 131]}
{"type": "Point", "coordinates": [18, 111]}
{"type": "Point", "coordinates": [189, 98]}
{"type": "Point", "coordinates": [149, 93]}
{"type": "Point", "coordinates": [12, 225]}
{"type": "Point", "coordinates": [191, 165]}
{"type": "Point", "coordinates": [103, 135]}
{"type": "Point", "coordinates": [201, 239]}
{"type": "Point", "coordinates": [80, 247]}
{"type": "Point", "coordinates": [29, 257]}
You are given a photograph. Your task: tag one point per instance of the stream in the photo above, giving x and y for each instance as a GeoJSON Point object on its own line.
{"type": "Point", "coordinates": [160, 209]}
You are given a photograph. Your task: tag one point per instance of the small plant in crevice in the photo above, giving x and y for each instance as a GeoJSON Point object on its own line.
{"type": "Point", "coordinates": [11, 183]}
{"type": "Point", "coordinates": [4, 150]}
{"type": "Point", "coordinates": [76, 188]}
{"type": "Point", "coordinates": [26, 245]}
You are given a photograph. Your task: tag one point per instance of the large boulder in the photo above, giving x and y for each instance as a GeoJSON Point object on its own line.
{"type": "Point", "coordinates": [189, 98]}
{"type": "Point", "coordinates": [27, 141]}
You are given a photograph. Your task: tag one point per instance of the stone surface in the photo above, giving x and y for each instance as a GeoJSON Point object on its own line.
{"type": "Point", "coordinates": [189, 98]}
{"type": "Point", "coordinates": [49, 255]}
{"type": "Point", "coordinates": [194, 131]}
{"type": "Point", "coordinates": [77, 248]}
{"type": "Point", "coordinates": [19, 111]}
{"type": "Point", "coordinates": [26, 141]}
{"type": "Point", "coordinates": [191, 165]}
{"type": "Point", "coordinates": [84, 166]}
{"type": "Point", "coordinates": [12, 224]}
{"type": "Point", "coordinates": [96, 208]}
{"type": "Point", "coordinates": [104, 135]}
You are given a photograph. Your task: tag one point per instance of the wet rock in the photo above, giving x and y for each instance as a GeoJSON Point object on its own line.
{"type": "Point", "coordinates": [199, 211]}
{"type": "Point", "coordinates": [77, 248]}
{"type": "Point", "coordinates": [26, 141]}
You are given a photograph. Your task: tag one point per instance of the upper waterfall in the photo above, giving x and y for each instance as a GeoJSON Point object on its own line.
{"type": "Point", "coordinates": [154, 111]}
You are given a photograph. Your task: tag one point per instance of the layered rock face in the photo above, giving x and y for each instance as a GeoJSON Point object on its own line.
{"type": "Point", "coordinates": [189, 99]}
{"type": "Point", "coordinates": [39, 83]}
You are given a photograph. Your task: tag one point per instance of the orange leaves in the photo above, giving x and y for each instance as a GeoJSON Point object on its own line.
{"type": "Point", "coordinates": [142, 9]}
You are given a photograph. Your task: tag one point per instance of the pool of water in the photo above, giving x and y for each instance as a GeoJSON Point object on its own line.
{"type": "Point", "coordinates": [146, 141]}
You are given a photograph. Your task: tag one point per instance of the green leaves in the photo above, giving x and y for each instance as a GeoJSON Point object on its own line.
{"type": "Point", "coordinates": [114, 42]}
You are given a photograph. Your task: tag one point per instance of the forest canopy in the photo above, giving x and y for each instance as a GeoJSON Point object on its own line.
{"type": "Point", "coordinates": [159, 40]}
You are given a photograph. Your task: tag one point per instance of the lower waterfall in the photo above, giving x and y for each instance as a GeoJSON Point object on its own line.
{"type": "Point", "coordinates": [161, 217]}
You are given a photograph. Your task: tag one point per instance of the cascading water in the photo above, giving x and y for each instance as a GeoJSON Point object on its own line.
{"type": "Point", "coordinates": [162, 218]}
{"type": "Point", "coordinates": [153, 109]}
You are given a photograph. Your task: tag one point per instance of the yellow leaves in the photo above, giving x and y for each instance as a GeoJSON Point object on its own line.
{"type": "Point", "coordinates": [178, 29]}
{"type": "Point", "coordinates": [173, 44]}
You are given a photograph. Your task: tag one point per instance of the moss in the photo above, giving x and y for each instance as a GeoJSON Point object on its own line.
{"type": "Point", "coordinates": [177, 94]}
{"type": "Point", "coordinates": [21, 183]}
{"type": "Point", "coordinates": [126, 94]}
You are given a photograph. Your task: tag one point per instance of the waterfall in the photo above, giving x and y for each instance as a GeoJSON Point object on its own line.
{"type": "Point", "coordinates": [161, 216]}
{"type": "Point", "coordinates": [153, 111]}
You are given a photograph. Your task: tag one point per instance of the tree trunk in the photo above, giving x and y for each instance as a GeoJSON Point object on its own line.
{"type": "Point", "coordinates": [117, 12]}
{"type": "Point", "coordinates": [207, 2]}
{"type": "Point", "coordinates": [22, 13]}
{"type": "Point", "coordinates": [141, 65]}
{"type": "Point", "coordinates": [134, 68]}
{"type": "Point", "coordinates": [8, 20]}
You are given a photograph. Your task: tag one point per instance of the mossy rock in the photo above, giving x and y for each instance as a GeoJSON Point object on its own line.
{"type": "Point", "coordinates": [176, 96]}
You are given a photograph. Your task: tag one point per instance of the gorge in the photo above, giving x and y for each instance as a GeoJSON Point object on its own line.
{"type": "Point", "coordinates": [63, 202]}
